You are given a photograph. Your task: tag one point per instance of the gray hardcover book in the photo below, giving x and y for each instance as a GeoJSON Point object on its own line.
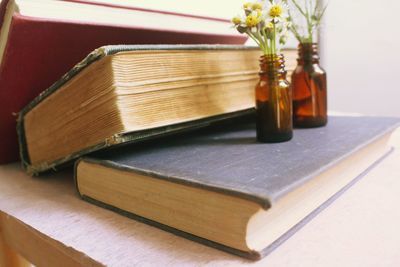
{"type": "Point", "coordinates": [222, 188]}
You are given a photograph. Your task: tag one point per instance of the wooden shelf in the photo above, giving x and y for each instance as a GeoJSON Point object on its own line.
{"type": "Point", "coordinates": [44, 221]}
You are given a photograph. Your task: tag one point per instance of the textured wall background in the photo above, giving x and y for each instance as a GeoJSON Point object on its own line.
{"type": "Point", "coordinates": [361, 46]}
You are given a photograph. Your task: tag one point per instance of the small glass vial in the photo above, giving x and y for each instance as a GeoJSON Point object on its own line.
{"type": "Point", "coordinates": [309, 89]}
{"type": "Point", "coordinates": [273, 101]}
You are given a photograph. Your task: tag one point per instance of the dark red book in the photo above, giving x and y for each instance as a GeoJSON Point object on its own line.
{"type": "Point", "coordinates": [41, 40]}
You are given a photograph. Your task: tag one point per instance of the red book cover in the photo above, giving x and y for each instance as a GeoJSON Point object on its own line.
{"type": "Point", "coordinates": [39, 51]}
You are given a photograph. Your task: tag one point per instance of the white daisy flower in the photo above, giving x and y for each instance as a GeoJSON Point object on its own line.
{"type": "Point", "coordinates": [277, 10]}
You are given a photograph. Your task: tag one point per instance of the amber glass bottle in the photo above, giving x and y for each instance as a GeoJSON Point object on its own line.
{"type": "Point", "coordinates": [309, 89]}
{"type": "Point", "coordinates": [273, 101]}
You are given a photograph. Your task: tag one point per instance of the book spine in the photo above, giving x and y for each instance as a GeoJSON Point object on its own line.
{"type": "Point", "coordinates": [23, 149]}
{"type": "Point", "coordinates": [94, 2]}
{"type": "Point", "coordinates": [3, 7]}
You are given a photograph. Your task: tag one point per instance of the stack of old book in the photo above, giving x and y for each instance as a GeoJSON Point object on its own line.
{"type": "Point", "coordinates": [164, 133]}
{"type": "Point", "coordinates": [41, 40]}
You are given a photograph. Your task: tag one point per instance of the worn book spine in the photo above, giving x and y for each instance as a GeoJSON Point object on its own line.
{"type": "Point", "coordinates": [3, 5]}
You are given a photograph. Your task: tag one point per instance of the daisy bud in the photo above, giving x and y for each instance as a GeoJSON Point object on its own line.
{"type": "Point", "coordinates": [275, 11]}
{"type": "Point", "coordinates": [241, 29]}
{"type": "Point", "coordinates": [247, 5]}
{"type": "Point", "coordinates": [252, 21]}
{"type": "Point", "coordinates": [256, 6]}
{"type": "Point", "coordinates": [269, 26]}
{"type": "Point", "coordinates": [236, 20]}
{"type": "Point", "coordinates": [283, 40]}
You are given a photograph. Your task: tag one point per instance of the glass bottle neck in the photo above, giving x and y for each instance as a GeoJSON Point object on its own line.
{"type": "Point", "coordinates": [308, 53]}
{"type": "Point", "coordinates": [272, 66]}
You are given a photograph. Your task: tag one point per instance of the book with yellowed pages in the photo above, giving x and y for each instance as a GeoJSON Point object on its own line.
{"type": "Point", "coordinates": [222, 188]}
{"type": "Point", "coordinates": [122, 94]}
{"type": "Point", "coordinates": [40, 40]}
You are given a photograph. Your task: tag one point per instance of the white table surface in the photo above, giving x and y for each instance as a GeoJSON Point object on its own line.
{"type": "Point", "coordinates": [44, 220]}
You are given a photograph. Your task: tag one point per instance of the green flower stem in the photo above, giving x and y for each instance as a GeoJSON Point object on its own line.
{"type": "Point", "coordinates": [274, 40]}
{"type": "Point", "coordinates": [249, 33]}
{"type": "Point", "coordinates": [321, 14]}
{"type": "Point", "coordinates": [259, 37]}
{"type": "Point", "coordinates": [313, 16]}
{"type": "Point", "coordinates": [296, 33]}
{"type": "Point", "coordinates": [308, 18]}
{"type": "Point", "coordinates": [299, 8]}
{"type": "Point", "coordinates": [265, 39]}
{"type": "Point", "coordinates": [263, 46]}
{"type": "Point", "coordinates": [317, 3]}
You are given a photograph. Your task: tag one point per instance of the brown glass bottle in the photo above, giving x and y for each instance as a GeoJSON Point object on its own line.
{"type": "Point", "coordinates": [309, 89]}
{"type": "Point", "coordinates": [273, 101]}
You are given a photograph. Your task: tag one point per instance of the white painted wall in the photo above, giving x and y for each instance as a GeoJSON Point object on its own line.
{"type": "Point", "coordinates": [360, 49]}
{"type": "Point", "coordinates": [361, 54]}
